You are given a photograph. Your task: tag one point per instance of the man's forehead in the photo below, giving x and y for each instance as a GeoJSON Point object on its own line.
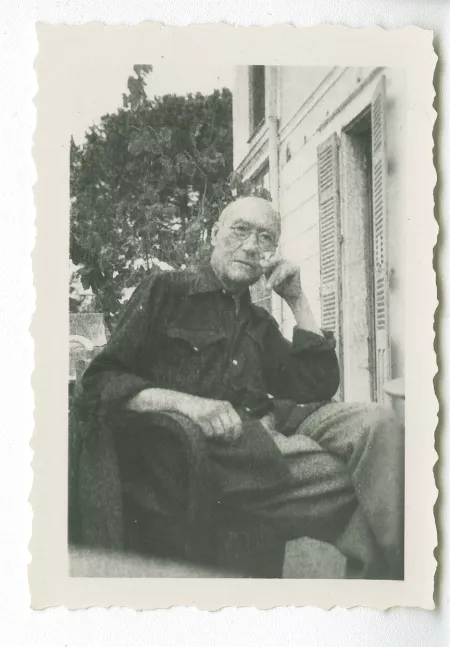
{"type": "Point", "coordinates": [260, 213]}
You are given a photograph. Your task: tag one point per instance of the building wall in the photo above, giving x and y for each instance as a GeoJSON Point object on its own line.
{"type": "Point", "coordinates": [313, 103]}
{"type": "Point", "coordinates": [297, 85]}
{"type": "Point", "coordinates": [244, 142]}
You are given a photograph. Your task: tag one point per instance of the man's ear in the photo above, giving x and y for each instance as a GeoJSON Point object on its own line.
{"type": "Point", "coordinates": [214, 230]}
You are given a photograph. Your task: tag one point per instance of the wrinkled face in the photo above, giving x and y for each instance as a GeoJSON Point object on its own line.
{"type": "Point", "coordinates": [241, 240]}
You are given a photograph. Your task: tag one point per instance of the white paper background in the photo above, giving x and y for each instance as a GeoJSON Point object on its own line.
{"type": "Point", "coordinates": [283, 627]}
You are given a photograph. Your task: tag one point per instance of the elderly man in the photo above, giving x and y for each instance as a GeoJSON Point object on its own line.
{"type": "Point", "coordinates": [192, 352]}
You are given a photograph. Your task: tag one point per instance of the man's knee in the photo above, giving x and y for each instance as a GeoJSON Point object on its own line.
{"type": "Point", "coordinates": [376, 418]}
{"type": "Point", "coordinates": [376, 426]}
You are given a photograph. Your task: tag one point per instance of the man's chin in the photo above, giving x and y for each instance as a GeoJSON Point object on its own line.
{"type": "Point", "coordinates": [245, 274]}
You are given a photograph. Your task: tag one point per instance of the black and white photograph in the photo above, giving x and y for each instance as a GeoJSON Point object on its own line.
{"type": "Point", "coordinates": [237, 305]}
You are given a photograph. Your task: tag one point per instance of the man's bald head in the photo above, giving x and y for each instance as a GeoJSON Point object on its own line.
{"type": "Point", "coordinates": [250, 205]}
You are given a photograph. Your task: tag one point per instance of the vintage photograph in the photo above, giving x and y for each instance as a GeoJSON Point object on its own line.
{"type": "Point", "coordinates": [240, 351]}
{"type": "Point", "coordinates": [237, 326]}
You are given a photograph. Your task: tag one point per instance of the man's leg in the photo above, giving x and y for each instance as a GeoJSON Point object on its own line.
{"type": "Point", "coordinates": [342, 455]}
{"type": "Point", "coordinates": [317, 502]}
{"type": "Point", "coordinates": [369, 439]}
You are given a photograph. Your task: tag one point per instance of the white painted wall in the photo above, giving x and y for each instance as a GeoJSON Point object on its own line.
{"type": "Point", "coordinates": [314, 103]}
{"type": "Point", "coordinates": [297, 85]}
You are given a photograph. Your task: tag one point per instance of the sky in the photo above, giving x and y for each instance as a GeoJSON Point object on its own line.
{"type": "Point", "coordinates": [98, 90]}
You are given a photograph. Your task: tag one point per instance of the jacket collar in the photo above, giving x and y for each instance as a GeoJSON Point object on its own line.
{"type": "Point", "coordinates": [204, 280]}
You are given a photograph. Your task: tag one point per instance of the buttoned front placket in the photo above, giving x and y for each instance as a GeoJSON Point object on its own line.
{"type": "Point", "coordinates": [235, 360]}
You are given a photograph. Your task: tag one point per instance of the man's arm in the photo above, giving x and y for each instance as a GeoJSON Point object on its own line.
{"type": "Point", "coordinates": [216, 418]}
{"type": "Point", "coordinates": [114, 375]}
{"type": "Point", "coordinates": [116, 381]}
{"type": "Point", "coordinates": [304, 317]}
{"type": "Point", "coordinates": [284, 279]}
{"type": "Point", "coordinates": [307, 369]}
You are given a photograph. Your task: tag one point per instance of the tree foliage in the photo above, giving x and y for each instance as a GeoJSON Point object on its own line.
{"type": "Point", "coordinates": [146, 186]}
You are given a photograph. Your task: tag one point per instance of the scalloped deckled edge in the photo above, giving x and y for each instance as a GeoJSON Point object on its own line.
{"type": "Point", "coordinates": [60, 46]}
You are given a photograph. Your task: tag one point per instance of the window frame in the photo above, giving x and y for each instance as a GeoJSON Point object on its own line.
{"type": "Point", "coordinates": [256, 126]}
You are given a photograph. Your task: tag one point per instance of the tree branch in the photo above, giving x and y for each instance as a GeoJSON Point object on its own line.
{"type": "Point", "coordinates": [212, 126]}
{"type": "Point", "coordinates": [194, 162]}
{"type": "Point", "coordinates": [204, 196]}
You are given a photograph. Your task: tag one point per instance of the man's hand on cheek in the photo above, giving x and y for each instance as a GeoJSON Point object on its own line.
{"type": "Point", "coordinates": [284, 278]}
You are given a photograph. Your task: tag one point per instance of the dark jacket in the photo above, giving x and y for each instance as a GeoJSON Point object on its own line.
{"type": "Point", "coordinates": [182, 331]}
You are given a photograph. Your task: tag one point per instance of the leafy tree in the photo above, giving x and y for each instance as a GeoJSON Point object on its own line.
{"type": "Point", "coordinates": [146, 187]}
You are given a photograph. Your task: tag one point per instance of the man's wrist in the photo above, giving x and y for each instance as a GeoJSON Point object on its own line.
{"type": "Point", "coordinates": [295, 302]}
{"type": "Point", "coordinates": [303, 315]}
{"type": "Point", "coordinates": [154, 400]}
{"type": "Point", "coordinates": [298, 305]}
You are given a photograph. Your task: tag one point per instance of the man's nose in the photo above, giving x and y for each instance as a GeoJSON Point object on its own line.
{"type": "Point", "coordinates": [251, 242]}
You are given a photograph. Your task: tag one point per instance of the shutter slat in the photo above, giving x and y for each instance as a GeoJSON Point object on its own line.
{"type": "Point", "coordinates": [379, 214]}
{"type": "Point", "coordinates": [329, 227]}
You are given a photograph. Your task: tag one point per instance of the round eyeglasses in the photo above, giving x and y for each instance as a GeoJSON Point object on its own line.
{"type": "Point", "coordinates": [264, 239]}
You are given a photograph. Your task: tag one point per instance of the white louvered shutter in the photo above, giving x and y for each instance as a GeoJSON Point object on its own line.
{"type": "Point", "coordinates": [330, 247]}
{"type": "Point", "coordinates": [379, 176]}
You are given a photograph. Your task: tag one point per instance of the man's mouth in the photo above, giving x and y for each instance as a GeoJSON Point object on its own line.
{"type": "Point", "coordinates": [252, 266]}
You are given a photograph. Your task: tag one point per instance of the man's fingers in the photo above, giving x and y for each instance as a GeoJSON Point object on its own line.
{"type": "Point", "coordinates": [233, 424]}
{"type": "Point", "coordinates": [221, 429]}
{"type": "Point", "coordinates": [270, 267]}
{"type": "Point", "coordinates": [280, 275]}
{"type": "Point", "coordinates": [208, 427]}
{"type": "Point", "coordinates": [235, 420]}
{"type": "Point", "coordinates": [221, 422]}
{"type": "Point", "coordinates": [230, 422]}
{"type": "Point", "coordinates": [276, 277]}
{"type": "Point", "coordinates": [214, 426]}
{"type": "Point", "coordinates": [270, 264]}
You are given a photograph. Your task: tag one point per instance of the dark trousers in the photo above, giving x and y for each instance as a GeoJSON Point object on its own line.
{"type": "Point", "coordinates": [342, 483]}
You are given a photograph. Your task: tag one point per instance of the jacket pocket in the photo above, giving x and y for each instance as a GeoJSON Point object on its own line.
{"type": "Point", "coordinates": [196, 339]}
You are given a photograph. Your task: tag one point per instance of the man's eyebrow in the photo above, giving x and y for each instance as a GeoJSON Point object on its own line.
{"type": "Point", "coordinates": [263, 230]}
{"type": "Point", "coordinates": [242, 221]}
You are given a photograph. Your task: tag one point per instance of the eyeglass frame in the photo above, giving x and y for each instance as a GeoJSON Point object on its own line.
{"type": "Point", "coordinates": [242, 237]}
